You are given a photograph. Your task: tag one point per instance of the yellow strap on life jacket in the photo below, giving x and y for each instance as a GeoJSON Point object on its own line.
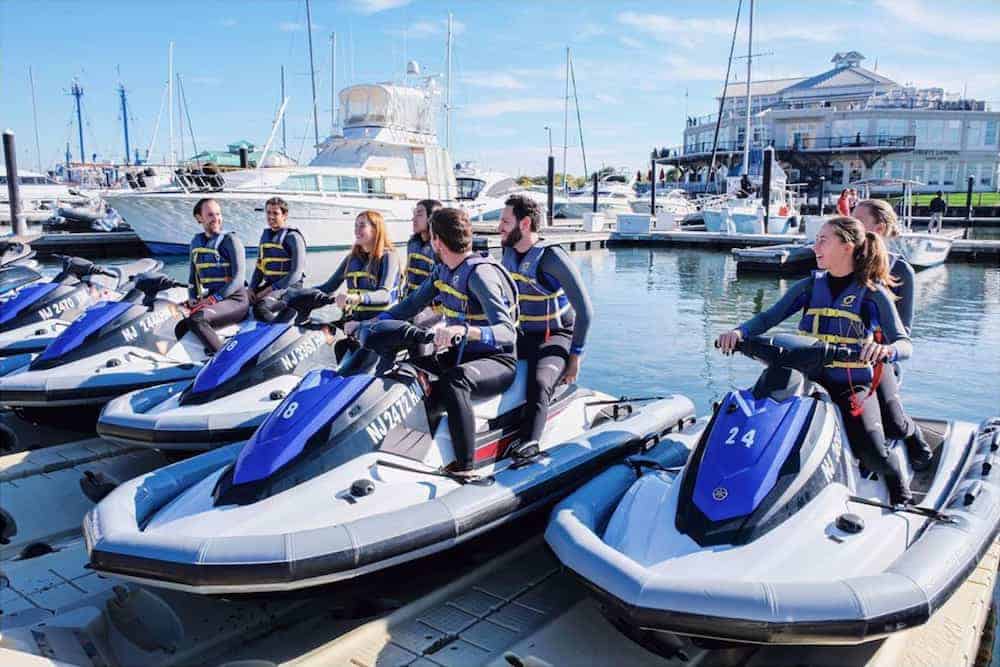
{"type": "Point", "coordinates": [445, 287]}
{"type": "Point", "coordinates": [543, 318]}
{"type": "Point", "coordinates": [262, 262]}
{"type": "Point", "coordinates": [418, 272]}
{"type": "Point", "coordinates": [833, 338]}
{"type": "Point", "coordinates": [199, 280]}
{"type": "Point", "coordinates": [454, 313]}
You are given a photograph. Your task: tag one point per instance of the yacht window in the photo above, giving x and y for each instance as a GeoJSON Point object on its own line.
{"type": "Point", "coordinates": [349, 184]}
{"type": "Point", "coordinates": [502, 187]}
{"type": "Point", "coordinates": [330, 183]}
{"type": "Point", "coordinates": [374, 186]}
{"type": "Point", "coordinates": [469, 188]}
{"type": "Point", "coordinates": [300, 183]}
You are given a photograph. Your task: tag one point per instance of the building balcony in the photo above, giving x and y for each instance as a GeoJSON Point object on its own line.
{"type": "Point", "coordinates": [857, 143]}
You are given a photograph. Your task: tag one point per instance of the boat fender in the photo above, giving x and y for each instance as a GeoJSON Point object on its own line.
{"type": "Point", "coordinates": [96, 485]}
{"type": "Point", "coordinates": [972, 493]}
{"type": "Point", "coordinates": [850, 523]}
{"type": "Point", "coordinates": [362, 487]}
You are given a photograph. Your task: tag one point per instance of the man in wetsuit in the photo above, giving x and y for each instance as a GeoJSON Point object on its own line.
{"type": "Point", "coordinates": [554, 311]}
{"type": "Point", "coordinates": [281, 255]}
{"type": "Point", "coordinates": [479, 302]}
{"type": "Point", "coordinates": [217, 287]}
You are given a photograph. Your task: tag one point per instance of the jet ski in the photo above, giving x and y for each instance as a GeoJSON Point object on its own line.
{"type": "Point", "coordinates": [113, 348]}
{"type": "Point", "coordinates": [16, 252]}
{"type": "Point", "coordinates": [348, 476]}
{"type": "Point", "coordinates": [236, 389]}
{"type": "Point", "coordinates": [770, 533]}
{"type": "Point", "coordinates": [14, 277]}
{"type": "Point", "coordinates": [36, 314]}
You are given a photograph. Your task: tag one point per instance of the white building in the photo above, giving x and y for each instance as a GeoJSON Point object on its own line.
{"type": "Point", "coordinates": [849, 123]}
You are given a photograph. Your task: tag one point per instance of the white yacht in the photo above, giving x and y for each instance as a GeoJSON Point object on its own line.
{"type": "Point", "coordinates": [482, 192]}
{"type": "Point", "coordinates": [668, 200]}
{"type": "Point", "coordinates": [387, 159]}
{"type": "Point", "coordinates": [615, 193]}
{"type": "Point", "coordinates": [41, 195]}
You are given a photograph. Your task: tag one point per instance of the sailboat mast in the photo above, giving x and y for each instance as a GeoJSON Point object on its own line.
{"type": "Point", "coordinates": [312, 75]}
{"type": "Point", "coordinates": [747, 136]}
{"type": "Point", "coordinates": [284, 136]}
{"type": "Point", "coordinates": [333, 83]}
{"type": "Point", "coordinates": [566, 125]}
{"type": "Point", "coordinates": [170, 100]}
{"type": "Point", "coordinates": [34, 115]}
{"type": "Point", "coordinates": [447, 103]}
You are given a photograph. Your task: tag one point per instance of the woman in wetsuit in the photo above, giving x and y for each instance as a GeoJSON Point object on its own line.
{"type": "Point", "coordinates": [845, 303]}
{"type": "Point", "coordinates": [371, 273]}
{"type": "Point", "coordinates": [877, 216]}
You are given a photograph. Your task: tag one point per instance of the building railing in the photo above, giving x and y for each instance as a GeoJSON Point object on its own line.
{"type": "Point", "coordinates": [806, 143]}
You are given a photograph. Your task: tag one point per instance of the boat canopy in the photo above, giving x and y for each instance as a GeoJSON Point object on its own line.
{"type": "Point", "coordinates": [389, 106]}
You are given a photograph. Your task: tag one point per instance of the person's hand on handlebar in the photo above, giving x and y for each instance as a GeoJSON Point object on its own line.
{"type": "Point", "coordinates": [727, 342]}
{"type": "Point", "coordinates": [445, 337]}
{"type": "Point", "coordinates": [345, 301]}
{"type": "Point", "coordinates": [873, 352]}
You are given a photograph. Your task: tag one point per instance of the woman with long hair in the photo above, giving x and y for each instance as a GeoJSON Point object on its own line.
{"type": "Point", "coordinates": [370, 272]}
{"type": "Point", "coordinates": [846, 302]}
{"type": "Point", "coordinates": [878, 216]}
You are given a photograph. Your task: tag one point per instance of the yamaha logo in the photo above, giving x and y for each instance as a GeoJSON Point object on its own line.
{"type": "Point", "coordinates": [720, 493]}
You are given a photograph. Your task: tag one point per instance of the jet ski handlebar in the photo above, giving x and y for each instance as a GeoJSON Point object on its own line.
{"type": "Point", "coordinates": [802, 353]}
{"type": "Point", "coordinates": [81, 268]}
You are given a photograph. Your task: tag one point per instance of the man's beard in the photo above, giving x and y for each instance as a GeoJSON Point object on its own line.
{"type": "Point", "coordinates": [513, 238]}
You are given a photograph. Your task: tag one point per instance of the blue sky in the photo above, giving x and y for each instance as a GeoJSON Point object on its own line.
{"type": "Point", "coordinates": [639, 66]}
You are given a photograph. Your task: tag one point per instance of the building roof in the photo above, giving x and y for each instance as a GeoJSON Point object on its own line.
{"type": "Point", "coordinates": [842, 77]}
{"type": "Point", "coordinates": [765, 87]}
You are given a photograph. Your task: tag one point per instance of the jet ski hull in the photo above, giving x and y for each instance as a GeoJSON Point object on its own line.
{"type": "Point", "coordinates": [710, 599]}
{"type": "Point", "coordinates": [163, 528]}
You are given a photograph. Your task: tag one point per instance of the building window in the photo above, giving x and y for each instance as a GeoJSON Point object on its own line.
{"type": "Point", "coordinates": [950, 169]}
{"type": "Point", "coordinates": [953, 133]}
{"type": "Point", "coordinates": [898, 168]}
{"type": "Point", "coordinates": [934, 173]}
{"type": "Point", "coordinates": [974, 134]}
{"type": "Point", "coordinates": [990, 135]}
{"type": "Point", "coordinates": [986, 173]}
{"type": "Point", "coordinates": [836, 172]}
{"type": "Point", "coordinates": [917, 172]}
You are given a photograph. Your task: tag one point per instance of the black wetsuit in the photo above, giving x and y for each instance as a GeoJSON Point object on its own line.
{"type": "Point", "coordinates": [865, 432]}
{"type": "Point", "coordinates": [547, 351]}
{"type": "Point", "coordinates": [232, 299]}
{"type": "Point", "coordinates": [486, 367]}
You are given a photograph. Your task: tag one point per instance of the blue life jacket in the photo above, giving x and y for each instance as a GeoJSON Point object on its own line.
{"type": "Point", "coordinates": [420, 262]}
{"type": "Point", "coordinates": [212, 268]}
{"type": "Point", "coordinates": [838, 321]}
{"type": "Point", "coordinates": [274, 259]}
{"type": "Point", "coordinates": [541, 309]}
{"type": "Point", "coordinates": [458, 305]}
{"type": "Point", "coordinates": [362, 277]}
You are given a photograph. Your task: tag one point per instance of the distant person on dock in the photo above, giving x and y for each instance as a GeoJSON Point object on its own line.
{"type": "Point", "coordinates": [847, 302]}
{"type": "Point", "coordinates": [281, 254]}
{"type": "Point", "coordinates": [844, 203]}
{"type": "Point", "coordinates": [877, 216]}
{"type": "Point", "coordinates": [938, 209]}
{"type": "Point", "coordinates": [217, 286]}
{"type": "Point", "coordinates": [555, 312]}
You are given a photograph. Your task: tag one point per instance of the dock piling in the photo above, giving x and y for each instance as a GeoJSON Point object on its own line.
{"type": "Point", "coordinates": [652, 187]}
{"type": "Point", "coordinates": [595, 192]}
{"type": "Point", "coordinates": [765, 186]}
{"type": "Point", "coordinates": [551, 190]}
{"type": "Point", "coordinates": [822, 193]}
{"type": "Point", "coordinates": [244, 158]}
{"type": "Point", "coordinates": [18, 223]}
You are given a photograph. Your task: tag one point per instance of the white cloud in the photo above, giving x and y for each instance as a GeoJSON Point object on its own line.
{"type": "Point", "coordinates": [631, 42]}
{"type": "Point", "coordinates": [498, 80]}
{"type": "Point", "coordinates": [607, 99]}
{"type": "Point", "coordinates": [588, 30]}
{"type": "Point", "coordinates": [515, 105]}
{"type": "Point", "coordinates": [376, 6]}
{"type": "Point", "coordinates": [228, 23]}
{"type": "Point", "coordinates": [962, 23]}
{"type": "Point", "coordinates": [677, 31]}
{"type": "Point", "coordinates": [428, 29]}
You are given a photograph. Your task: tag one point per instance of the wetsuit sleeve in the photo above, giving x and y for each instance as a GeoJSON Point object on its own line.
{"type": "Point", "coordinates": [791, 302]}
{"type": "Point", "coordinates": [237, 265]}
{"type": "Point", "coordinates": [334, 281]}
{"type": "Point", "coordinates": [192, 285]}
{"type": "Point", "coordinates": [388, 278]}
{"type": "Point", "coordinates": [256, 278]}
{"type": "Point", "coordinates": [559, 269]}
{"type": "Point", "coordinates": [892, 326]}
{"type": "Point", "coordinates": [297, 271]}
{"type": "Point", "coordinates": [414, 302]}
{"type": "Point", "coordinates": [494, 295]}
{"type": "Point", "coordinates": [904, 304]}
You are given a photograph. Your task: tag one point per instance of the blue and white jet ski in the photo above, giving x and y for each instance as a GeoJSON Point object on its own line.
{"type": "Point", "coordinates": [37, 313]}
{"type": "Point", "coordinates": [16, 253]}
{"type": "Point", "coordinates": [15, 276]}
{"type": "Point", "coordinates": [349, 476]}
{"type": "Point", "coordinates": [236, 389]}
{"type": "Point", "coordinates": [113, 348]}
{"type": "Point", "coordinates": [769, 533]}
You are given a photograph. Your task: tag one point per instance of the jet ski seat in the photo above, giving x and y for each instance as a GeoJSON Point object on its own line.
{"type": "Point", "coordinates": [781, 383]}
{"type": "Point", "coordinates": [494, 406]}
